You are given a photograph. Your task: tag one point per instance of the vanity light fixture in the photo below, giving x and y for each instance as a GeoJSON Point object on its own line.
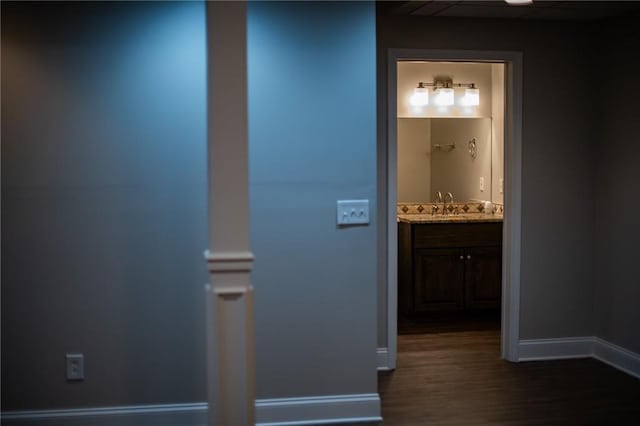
{"type": "Point", "coordinates": [518, 2]}
{"type": "Point", "coordinates": [420, 96]}
{"type": "Point", "coordinates": [471, 96]}
{"type": "Point", "coordinates": [444, 96]}
{"type": "Point", "coordinates": [444, 93]}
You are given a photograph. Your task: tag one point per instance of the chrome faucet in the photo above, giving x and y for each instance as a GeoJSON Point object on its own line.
{"type": "Point", "coordinates": [444, 203]}
{"type": "Point", "coordinates": [434, 208]}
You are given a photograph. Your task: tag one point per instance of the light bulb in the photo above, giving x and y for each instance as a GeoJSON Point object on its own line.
{"type": "Point", "coordinates": [444, 96]}
{"type": "Point", "coordinates": [420, 96]}
{"type": "Point", "coordinates": [471, 97]}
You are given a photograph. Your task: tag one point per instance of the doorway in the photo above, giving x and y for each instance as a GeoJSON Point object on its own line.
{"type": "Point", "coordinates": [510, 271]}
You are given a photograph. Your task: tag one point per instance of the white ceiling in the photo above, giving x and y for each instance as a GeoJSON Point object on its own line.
{"type": "Point", "coordinates": [540, 9]}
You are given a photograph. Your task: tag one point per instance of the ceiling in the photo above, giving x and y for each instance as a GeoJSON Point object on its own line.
{"type": "Point", "coordinates": [540, 9]}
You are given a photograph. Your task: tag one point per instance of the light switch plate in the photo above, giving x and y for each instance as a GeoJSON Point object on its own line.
{"type": "Point", "coordinates": [353, 212]}
{"type": "Point", "coordinates": [481, 184]}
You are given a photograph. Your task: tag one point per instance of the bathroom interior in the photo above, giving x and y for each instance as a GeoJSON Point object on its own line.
{"type": "Point", "coordinates": [450, 204]}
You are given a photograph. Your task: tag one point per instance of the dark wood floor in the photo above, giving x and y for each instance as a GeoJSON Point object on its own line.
{"type": "Point", "coordinates": [452, 374]}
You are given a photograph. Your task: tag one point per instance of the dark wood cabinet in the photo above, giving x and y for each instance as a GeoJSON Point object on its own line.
{"type": "Point", "coordinates": [449, 267]}
{"type": "Point", "coordinates": [438, 280]}
{"type": "Point", "coordinates": [483, 277]}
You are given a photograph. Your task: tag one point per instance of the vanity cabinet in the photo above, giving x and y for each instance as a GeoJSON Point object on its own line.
{"type": "Point", "coordinates": [449, 266]}
{"type": "Point", "coordinates": [483, 277]}
{"type": "Point", "coordinates": [438, 280]}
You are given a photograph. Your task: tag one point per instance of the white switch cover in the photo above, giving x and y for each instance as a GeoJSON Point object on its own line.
{"type": "Point", "coordinates": [353, 212]}
{"type": "Point", "coordinates": [481, 184]}
{"type": "Point", "coordinates": [501, 185]}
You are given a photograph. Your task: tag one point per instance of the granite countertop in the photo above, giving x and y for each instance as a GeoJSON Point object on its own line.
{"type": "Point", "coordinates": [449, 218]}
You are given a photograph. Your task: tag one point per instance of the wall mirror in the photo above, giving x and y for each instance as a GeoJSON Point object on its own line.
{"type": "Point", "coordinates": [447, 155]}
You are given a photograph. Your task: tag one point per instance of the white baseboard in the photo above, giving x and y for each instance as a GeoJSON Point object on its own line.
{"type": "Point", "coordinates": [581, 347]}
{"type": "Point", "coordinates": [156, 414]}
{"type": "Point", "coordinates": [383, 359]}
{"type": "Point", "coordinates": [358, 408]}
{"type": "Point", "coordinates": [563, 348]}
{"type": "Point", "coordinates": [319, 410]}
{"type": "Point", "coordinates": [617, 357]}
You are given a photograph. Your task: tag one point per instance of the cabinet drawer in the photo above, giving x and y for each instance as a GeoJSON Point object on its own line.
{"type": "Point", "coordinates": [457, 235]}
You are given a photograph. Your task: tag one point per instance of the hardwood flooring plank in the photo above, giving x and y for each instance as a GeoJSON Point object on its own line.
{"type": "Point", "coordinates": [452, 374]}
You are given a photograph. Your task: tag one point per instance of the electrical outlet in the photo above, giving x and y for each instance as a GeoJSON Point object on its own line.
{"type": "Point", "coordinates": [481, 184]}
{"type": "Point", "coordinates": [501, 185]}
{"type": "Point", "coordinates": [75, 366]}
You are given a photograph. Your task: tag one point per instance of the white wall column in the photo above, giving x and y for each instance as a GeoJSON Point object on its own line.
{"type": "Point", "coordinates": [230, 309]}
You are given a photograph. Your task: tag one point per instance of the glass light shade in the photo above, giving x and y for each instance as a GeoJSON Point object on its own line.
{"type": "Point", "coordinates": [420, 97]}
{"type": "Point", "coordinates": [471, 97]}
{"type": "Point", "coordinates": [444, 96]}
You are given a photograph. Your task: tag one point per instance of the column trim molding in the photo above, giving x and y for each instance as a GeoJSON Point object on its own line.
{"type": "Point", "coordinates": [232, 261]}
{"type": "Point", "coordinates": [231, 291]}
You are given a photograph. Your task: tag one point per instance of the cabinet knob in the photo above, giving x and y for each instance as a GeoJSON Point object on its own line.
{"type": "Point", "coordinates": [461, 257]}
{"type": "Point", "coordinates": [468, 256]}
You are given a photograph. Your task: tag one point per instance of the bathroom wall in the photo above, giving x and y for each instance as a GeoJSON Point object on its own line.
{"type": "Point", "coordinates": [422, 171]}
{"type": "Point", "coordinates": [414, 160]}
{"type": "Point", "coordinates": [497, 133]}
{"type": "Point", "coordinates": [410, 73]}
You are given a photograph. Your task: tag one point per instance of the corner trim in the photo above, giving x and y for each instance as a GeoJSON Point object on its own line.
{"type": "Point", "coordinates": [356, 408]}
{"type": "Point", "coordinates": [617, 357]}
{"type": "Point", "coordinates": [581, 347]}
{"type": "Point", "coordinates": [383, 359]}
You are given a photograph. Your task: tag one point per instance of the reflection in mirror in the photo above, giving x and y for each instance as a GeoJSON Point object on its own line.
{"type": "Point", "coordinates": [446, 155]}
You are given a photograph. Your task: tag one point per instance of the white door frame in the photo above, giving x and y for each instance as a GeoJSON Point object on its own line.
{"type": "Point", "coordinates": [510, 328]}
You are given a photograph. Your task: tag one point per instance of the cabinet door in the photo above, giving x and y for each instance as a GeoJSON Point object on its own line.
{"type": "Point", "coordinates": [483, 287]}
{"type": "Point", "coordinates": [438, 283]}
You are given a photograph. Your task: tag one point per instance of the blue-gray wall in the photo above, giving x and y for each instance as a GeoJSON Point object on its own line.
{"type": "Point", "coordinates": [104, 200]}
{"type": "Point", "coordinates": [312, 139]}
{"type": "Point", "coordinates": [103, 203]}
